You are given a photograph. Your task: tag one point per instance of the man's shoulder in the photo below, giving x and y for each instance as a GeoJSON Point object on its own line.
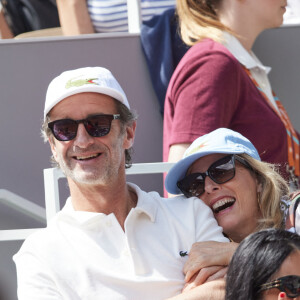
{"type": "Point", "coordinates": [40, 240]}
{"type": "Point", "coordinates": [154, 198]}
{"type": "Point", "coordinates": [180, 205]}
{"type": "Point", "coordinates": [181, 202]}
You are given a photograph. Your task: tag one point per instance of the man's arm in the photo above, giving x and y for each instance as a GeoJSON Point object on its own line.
{"type": "Point", "coordinates": [33, 276]}
{"type": "Point", "coordinates": [5, 32]}
{"type": "Point", "coordinates": [176, 154]}
{"type": "Point", "coordinates": [213, 290]}
{"type": "Point", "coordinates": [74, 17]}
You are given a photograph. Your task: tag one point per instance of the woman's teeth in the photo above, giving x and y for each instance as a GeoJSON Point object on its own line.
{"type": "Point", "coordinates": [222, 204]}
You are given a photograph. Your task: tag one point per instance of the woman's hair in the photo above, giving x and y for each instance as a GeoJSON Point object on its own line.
{"type": "Point", "coordinates": [127, 117]}
{"type": "Point", "coordinates": [255, 261]}
{"type": "Point", "coordinates": [198, 20]}
{"type": "Point", "coordinates": [273, 189]}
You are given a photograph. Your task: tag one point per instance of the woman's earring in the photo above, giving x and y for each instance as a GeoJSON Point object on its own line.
{"type": "Point", "coordinates": [259, 201]}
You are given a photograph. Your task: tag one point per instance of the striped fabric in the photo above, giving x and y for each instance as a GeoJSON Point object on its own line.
{"type": "Point", "coordinates": [111, 15]}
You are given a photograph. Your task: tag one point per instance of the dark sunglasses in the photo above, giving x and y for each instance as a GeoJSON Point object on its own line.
{"type": "Point", "coordinates": [288, 284]}
{"type": "Point", "coordinates": [220, 171]}
{"type": "Point", "coordinates": [96, 126]}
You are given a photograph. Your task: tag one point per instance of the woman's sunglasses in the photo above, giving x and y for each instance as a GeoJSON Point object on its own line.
{"type": "Point", "coordinates": [221, 171]}
{"type": "Point", "coordinates": [96, 126]}
{"type": "Point", "coordinates": [288, 284]}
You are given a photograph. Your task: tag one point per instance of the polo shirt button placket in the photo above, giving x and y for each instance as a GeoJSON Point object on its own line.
{"type": "Point", "coordinates": [126, 252]}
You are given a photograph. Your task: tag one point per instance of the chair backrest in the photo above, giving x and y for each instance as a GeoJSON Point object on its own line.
{"type": "Point", "coordinates": [12, 203]}
{"type": "Point", "coordinates": [52, 175]}
{"type": "Point", "coordinates": [134, 16]}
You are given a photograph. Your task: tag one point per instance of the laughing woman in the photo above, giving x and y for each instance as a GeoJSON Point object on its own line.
{"type": "Point", "coordinates": [224, 170]}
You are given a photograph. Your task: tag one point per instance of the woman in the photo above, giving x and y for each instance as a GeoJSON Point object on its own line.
{"type": "Point", "coordinates": [224, 170]}
{"type": "Point", "coordinates": [221, 83]}
{"type": "Point", "coordinates": [274, 271]}
{"type": "Point", "coordinates": [91, 16]}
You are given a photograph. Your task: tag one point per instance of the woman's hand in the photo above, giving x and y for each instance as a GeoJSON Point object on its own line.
{"type": "Point", "coordinates": [207, 254]}
{"type": "Point", "coordinates": [205, 275]}
{"type": "Point", "coordinates": [213, 290]}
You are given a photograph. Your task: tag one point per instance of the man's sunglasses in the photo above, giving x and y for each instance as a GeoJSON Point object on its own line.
{"type": "Point", "coordinates": [221, 171]}
{"type": "Point", "coordinates": [288, 284]}
{"type": "Point", "coordinates": [96, 126]}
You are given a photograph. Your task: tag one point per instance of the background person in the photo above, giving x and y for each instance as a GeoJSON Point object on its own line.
{"type": "Point", "coordinates": [18, 17]}
{"type": "Point", "coordinates": [274, 271]}
{"type": "Point", "coordinates": [91, 16]}
{"type": "Point", "coordinates": [221, 83]}
{"type": "Point", "coordinates": [5, 32]}
{"type": "Point", "coordinates": [293, 218]}
{"type": "Point", "coordinates": [224, 170]}
{"type": "Point", "coordinates": [161, 43]}
{"type": "Point", "coordinates": [111, 240]}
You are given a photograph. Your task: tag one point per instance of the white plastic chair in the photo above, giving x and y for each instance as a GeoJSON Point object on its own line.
{"type": "Point", "coordinates": [24, 206]}
{"type": "Point", "coordinates": [134, 16]}
{"type": "Point", "coordinates": [51, 177]}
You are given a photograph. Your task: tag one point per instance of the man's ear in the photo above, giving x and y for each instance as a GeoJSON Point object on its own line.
{"type": "Point", "coordinates": [129, 135]}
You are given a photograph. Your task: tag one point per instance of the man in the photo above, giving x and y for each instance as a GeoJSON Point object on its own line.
{"type": "Point", "coordinates": [111, 240]}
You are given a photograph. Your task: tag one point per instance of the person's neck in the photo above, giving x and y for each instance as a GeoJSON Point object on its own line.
{"type": "Point", "coordinates": [246, 38]}
{"type": "Point", "coordinates": [245, 29]}
{"type": "Point", "coordinates": [240, 232]}
{"type": "Point", "coordinates": [116, 198]}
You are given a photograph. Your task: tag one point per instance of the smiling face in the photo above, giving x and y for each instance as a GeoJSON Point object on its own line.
{"type": "Point", "coordinates": [87, 159]}
{"type": "Point", "coordinates": [234, 203]}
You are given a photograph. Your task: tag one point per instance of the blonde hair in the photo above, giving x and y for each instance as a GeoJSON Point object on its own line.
{"type": "Point", "coordinates": [198, 20]}
{"type": "Point", "coordinates": [273, 189]}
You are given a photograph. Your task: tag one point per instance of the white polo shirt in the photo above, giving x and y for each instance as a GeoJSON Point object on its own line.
{"type": "Point", "coordinates": [85, 255]}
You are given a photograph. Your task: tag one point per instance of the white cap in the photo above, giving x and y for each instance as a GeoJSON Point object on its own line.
{"type": "Point", "coordinates": [221, 140]}
{"type": "Point", "coordinates": [89, 79]}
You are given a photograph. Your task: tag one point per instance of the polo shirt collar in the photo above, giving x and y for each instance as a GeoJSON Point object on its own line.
{"type": "Point", "coordinates": [145, 202]}
{"type": "Point", "coordinates": [145, 205]}
{"type": "Point", "coordinates": [249, 60]}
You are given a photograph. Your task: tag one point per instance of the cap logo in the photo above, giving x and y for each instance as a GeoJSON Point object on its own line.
{"type": "Point", "coordinates": [197, 148]}
{"type": "Point", "coordinates": [80, 82]}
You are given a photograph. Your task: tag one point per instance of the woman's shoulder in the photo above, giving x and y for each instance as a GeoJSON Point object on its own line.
{"type": "Point", "coordinates": [209, 46]}
{"type": "Point", "coordinates": [209, 52]}
{"type": "Point", "coordinates": [206, 56]}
